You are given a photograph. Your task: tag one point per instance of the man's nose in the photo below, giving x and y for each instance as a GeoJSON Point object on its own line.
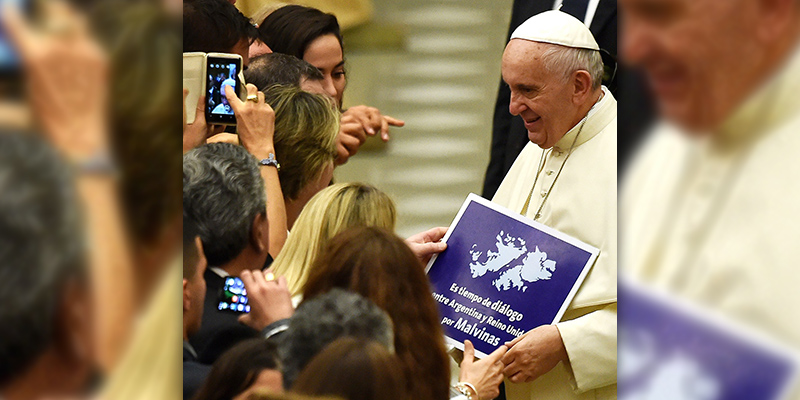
{"type": "Point", "coordinates": [636, 42]}
{"type": "Point", "coordinates": [515, 106]}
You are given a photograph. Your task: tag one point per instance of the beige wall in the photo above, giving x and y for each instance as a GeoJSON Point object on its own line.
{"type": "Point", "coordinates": [350, 13]}
{"type": "Point", "coordinates": [442, 80]}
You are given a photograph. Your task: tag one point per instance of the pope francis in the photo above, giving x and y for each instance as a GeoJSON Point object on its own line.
{"type": "Point", "coordinates": [566, 178]}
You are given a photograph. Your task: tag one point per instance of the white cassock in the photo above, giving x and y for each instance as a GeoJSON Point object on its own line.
{"type": "Point", "coordinates": [582, 203]}
{"type": "Point", "coordinates": [716, 219]}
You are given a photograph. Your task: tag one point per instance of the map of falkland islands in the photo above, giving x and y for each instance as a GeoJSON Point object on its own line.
{"type": "Point", "coordinates": [535, 265]}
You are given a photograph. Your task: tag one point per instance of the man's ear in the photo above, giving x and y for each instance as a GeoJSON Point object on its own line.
{"type": "Point", "coordinates": [187, 297]}
{"type": "Point", "coordinates": [259, 236]}
{"type": "Point", "coordinates": [582, 86]}
{"type": "Point", "coordinates": [775, 18]}
{"type": "Point", "coordinates": [202, 262]}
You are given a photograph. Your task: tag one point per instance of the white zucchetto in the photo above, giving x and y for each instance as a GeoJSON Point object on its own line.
{"type": "Point", "coordinates": [556, 27]}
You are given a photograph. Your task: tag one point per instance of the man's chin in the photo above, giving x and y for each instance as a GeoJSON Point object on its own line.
{"type": "Point", "coordinates": [537, 138]}
{"type": "Point", "coordinates": [682, 114]}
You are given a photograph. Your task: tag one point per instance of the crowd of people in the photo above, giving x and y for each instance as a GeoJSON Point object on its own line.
{"type": "Point", "coordinates": [338, 306]}
{"type": "Point", "coordinates": [344, 303]}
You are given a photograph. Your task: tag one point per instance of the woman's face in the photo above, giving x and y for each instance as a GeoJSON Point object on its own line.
{"type": "Point", "coordinates": [325, 53]}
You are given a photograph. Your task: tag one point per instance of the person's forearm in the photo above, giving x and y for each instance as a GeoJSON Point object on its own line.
{"type": "Point", "coordinates": [110, 260]}
{"type": "Point", "coordinates": [276, 208]}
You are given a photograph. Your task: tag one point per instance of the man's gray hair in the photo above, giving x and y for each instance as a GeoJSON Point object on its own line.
{"type": "Point", "coordinates": [42, 248]}
{"type": "Point", "coordinates": [223, 193]}
{"type": "Point", "coordinates": [318, 322]}
{"type": "Point", "coordinates": [566, 60]}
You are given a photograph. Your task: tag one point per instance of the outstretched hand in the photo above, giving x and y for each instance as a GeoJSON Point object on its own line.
{"type": "Point", "coordinates": [357, 124]}
{"type": "Point", "coordinates": [486, 374]}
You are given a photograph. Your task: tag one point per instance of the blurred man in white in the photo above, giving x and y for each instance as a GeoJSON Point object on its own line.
{"type": "Point", "coordinates": [565, 179]}
{"type": "Point", "coordinates": [711, 206]}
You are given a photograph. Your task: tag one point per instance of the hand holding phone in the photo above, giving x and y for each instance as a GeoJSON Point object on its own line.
{"type": "Point", "coordinates": [270, 301]}
{"type": "Point", "coordinates": [255, 122]}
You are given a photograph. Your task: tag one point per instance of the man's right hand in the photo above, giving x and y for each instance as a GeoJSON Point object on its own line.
{"type": "Point", "coordinates": [269, 300]}
{"type": "Point", "coordinates": [255, 121]}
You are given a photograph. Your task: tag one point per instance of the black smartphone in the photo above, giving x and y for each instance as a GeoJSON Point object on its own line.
{"type": "Point", "coordinates": [233, 296]}
{"type": "Point", "coordinates": [222, 70]}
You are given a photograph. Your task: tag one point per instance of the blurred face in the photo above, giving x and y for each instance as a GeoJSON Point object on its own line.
{"type": "Point", "coordinates": [268, 381]}
{"type": "Point", "coordinates": [196, 288]}
{"type": "Point", "coordinates": [542, 99]}
{"type": "Point", "coordinates": [325, 53]}
{"type": "Point", "coordinates": [700, 57]}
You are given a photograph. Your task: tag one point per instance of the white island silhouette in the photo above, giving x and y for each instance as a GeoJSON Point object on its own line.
{"type": "Point", "coordinates": [534, 267]}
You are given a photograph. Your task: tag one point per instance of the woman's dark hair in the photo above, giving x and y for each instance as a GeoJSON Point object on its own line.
{"type": "Point", "coordinates": [290, 29]}
{"type": "Point", "coordinates": [214, 26]}
{"type": "Point", "coordinates": [353, 369]}
{"type": "Point", "coordinates": [238, 369]}
{"type": "Point", "coordinates": [378, 265]}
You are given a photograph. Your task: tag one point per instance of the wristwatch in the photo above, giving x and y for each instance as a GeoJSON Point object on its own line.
{"type": "Point", "coordinates": [271, 161]}
{"type": "Point", "coordinates": [100, 163]}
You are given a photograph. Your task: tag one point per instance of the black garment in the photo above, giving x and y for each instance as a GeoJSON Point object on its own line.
{"type": "Point", "coordinates": [576, 8]}
{"type": "Point", "coordinates": [194, 373]}
{"type": "Point", "coordinates": [219, 330]}
{"type": "Point", "coordinates": [215, 322]}
{"type": "Point", "coordinates": [509, 135]}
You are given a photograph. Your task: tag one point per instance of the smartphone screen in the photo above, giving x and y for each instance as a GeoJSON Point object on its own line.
{"type": "Point", "coordinates": [233, 296]}
{"type": "Point", "coordinates": [220, 73]}
{"type": "Point", "coordinates": [9, 59]}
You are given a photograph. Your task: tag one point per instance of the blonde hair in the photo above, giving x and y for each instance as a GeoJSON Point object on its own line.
{"type": "Point", "coordinates": [151, 366]}
{"type": "Point", "coordinates": [306, 126]}
{"type": "Point", "coordinates": [331, 211]}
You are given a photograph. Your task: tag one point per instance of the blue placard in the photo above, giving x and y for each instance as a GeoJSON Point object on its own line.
{"type": "Point", "coordinates": [503, 275]}
{"type": "Point", "coordinates": [671, 349]}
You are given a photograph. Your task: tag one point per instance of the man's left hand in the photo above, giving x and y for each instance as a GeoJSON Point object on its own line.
{"type": "Point", "coordinates": [534, 354]}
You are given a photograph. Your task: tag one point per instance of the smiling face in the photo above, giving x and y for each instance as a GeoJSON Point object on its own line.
{"type": "Point", "coordinates": [543, 99]}
{"type": "Point", "coordinates": [325, 53]}
{"type": "Point", "coordinates": [700, 57]}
